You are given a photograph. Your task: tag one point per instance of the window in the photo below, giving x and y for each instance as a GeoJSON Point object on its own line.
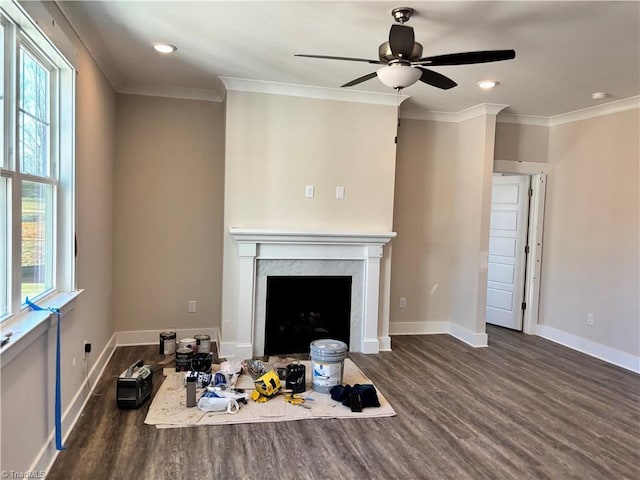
{"type": "Point", "coordinates": [36, 182]}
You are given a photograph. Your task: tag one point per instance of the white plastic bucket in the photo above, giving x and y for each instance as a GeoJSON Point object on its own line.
{"type": "Point", "coordinates": [327, 364]}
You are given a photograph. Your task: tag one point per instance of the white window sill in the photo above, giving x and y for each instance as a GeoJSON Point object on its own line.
{"type": "Point", "coordinates": [28, 325]}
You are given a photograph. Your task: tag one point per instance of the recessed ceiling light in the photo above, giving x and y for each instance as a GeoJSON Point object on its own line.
{"type": "Point", "coordinates": [487, 84]}
{"type": "Point", "coordinates": [599, 95]}
{"type": "Point", "coordinates": [164, 47]}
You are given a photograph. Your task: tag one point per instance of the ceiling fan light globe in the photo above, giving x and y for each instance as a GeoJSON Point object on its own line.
{"type": "Point", "coordinates": [398, 76]}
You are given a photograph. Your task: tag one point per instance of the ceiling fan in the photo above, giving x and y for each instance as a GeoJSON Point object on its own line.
{"type": "Point", "coordinates": [402, 57]}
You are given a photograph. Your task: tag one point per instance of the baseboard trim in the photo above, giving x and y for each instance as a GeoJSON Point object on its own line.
{"type": "Point", "coordinates": [385, 343]}
{"type": "Point", "coordinates": [227, 349]}
{"type": "Point", "coordinates": [151, 337]}
{"type": "Point", "coordinates": [418, 328]}
{"type": "Point", "coordinates": [476, 340]}
{"type": "Point", "coordinates": [591, 348]}
{"type": "Point", "coordinates": [48, 454]}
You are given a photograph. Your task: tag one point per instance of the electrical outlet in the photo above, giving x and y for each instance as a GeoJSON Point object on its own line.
{"type": "Point", "coordinates": [589, 318]}
{"type": "Point", "coordinates": [192, 306]}
{"type": "Point", "coordinates": [403, 302]}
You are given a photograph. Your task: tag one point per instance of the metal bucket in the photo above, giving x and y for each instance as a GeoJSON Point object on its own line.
{"type": "Point", "coordinates": [183, 359]}
{"type": "Point", "coordinates": [327, 364]}
{"type": "Point", "coordinates": [167, 343]}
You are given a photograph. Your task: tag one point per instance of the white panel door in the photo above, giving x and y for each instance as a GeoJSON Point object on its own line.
{"type": "Point", "coordinates": [507, 242]}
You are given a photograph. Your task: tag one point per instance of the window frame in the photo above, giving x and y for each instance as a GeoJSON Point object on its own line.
{"type": "Point", "coordinates": [19, 31]}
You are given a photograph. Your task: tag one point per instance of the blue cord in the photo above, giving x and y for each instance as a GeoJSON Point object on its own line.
{"type": "Point", "coordinates": [58, 399]}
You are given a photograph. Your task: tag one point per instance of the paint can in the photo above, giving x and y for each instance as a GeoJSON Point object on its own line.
{"type": "Point", "coordinates": [327, 364]}
{"type": "Point", "coordinates": [201, 362]}
{"type": "Point", "coordinates": [167, 343]}
{"type": "Point", "coordinates": [188, 343]}
{"type": "Point", "coordinates": [295, 377]}
{"type": "Point", "coordinates": [183, 359]}
{"type": "Point", "coordinates": [203, 343]}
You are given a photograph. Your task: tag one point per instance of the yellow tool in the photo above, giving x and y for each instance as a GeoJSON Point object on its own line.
{"type": "Point", "coordinates": [294, 399]}
{"type": "Point", "coordinates": [268, 384]}
{"type": "Point", "coordinates": [257, 397]}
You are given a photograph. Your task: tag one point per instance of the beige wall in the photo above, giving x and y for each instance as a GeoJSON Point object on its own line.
{"type": "Point", "coordinates": [591, 233]}
{"type": "Point", "coordinates": [443, 193]}
{"type": "Point", "coordinates": [521, 143]}
{"type": "Point", "coordinates": [168, 212]}
{"type": "Point", "coordinates": [471, 211]}
{"type": "Point", "coordinates": [275, 145]}
{"type": "Point", "coordinates": [28, 380]}
{"type": "Point", "coordinates": [590, 258]}
{"type": "Point", "coordinates": [425, 184]}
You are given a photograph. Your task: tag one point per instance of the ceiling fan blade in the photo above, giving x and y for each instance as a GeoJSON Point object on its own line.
{"type": "Point", "coordinates": [436, 79]}
{"type": "Point", "coordinates": [401, 40]}
{"type": "Point", "coordinates": [351, 59]}
{"type": "Point", "coordinates": [467, 58]}
{"type": "Point", "coordinates": [364, 78]}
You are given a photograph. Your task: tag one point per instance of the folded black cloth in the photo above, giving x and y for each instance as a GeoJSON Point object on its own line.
{"type": "Point", "coordinates": [356, 397]}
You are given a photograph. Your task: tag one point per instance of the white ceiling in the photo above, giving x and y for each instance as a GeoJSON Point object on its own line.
{"type": "Point", "coordinates": [565, 51]}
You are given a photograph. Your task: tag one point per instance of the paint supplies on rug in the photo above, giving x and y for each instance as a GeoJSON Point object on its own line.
{"type": "Point", "coordinates": [211, 402]}
{"type": "Point", "coordinates": [231, 371]}
{"type": "Point", "coordinates": [266, 387]}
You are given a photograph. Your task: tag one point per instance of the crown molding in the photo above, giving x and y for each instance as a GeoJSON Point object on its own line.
{"type": "Point", "coordinates": [582, 114]}
{"type": "Point", "coordinates": [482, 109]}
{"type": "Point", "coordinates": [596, 111]}
{"type": "Point", "coordinates": [308, 91]}
{"type": "Point", "coordinates": [523, 119]}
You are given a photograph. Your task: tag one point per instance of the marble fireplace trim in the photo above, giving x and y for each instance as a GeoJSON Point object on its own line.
{"type": "Point", "coordinates": [346, 268]}
{"type": "Point", "coordinates": [335, 252]}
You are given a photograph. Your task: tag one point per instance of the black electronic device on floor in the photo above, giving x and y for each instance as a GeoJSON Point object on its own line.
{"type": "Point", "coordinates": [134, 385]}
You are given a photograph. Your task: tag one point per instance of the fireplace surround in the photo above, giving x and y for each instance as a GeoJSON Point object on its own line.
{"type": "Point", "coordinates": [261, 253]}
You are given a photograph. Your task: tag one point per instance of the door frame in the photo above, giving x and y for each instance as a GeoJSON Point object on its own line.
{"type": "Point", "coordinates": [538, 173]}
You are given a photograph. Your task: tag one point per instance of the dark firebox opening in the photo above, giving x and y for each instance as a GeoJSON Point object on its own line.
{"type": "Point", "coordinates": [301, 309]}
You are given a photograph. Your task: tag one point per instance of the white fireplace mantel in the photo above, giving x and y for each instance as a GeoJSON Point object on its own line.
{"type": "Point", "coordinates": [277, 236]}
{"type": "Point", "coordinates": [330, 248]}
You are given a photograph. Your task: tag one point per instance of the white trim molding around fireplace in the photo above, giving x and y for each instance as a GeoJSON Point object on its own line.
{"type": "Point", "coordinates": [307, 253]}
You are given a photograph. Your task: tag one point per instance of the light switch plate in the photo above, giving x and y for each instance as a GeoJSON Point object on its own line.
{"type": "Point", "coordinates": [308, 191]}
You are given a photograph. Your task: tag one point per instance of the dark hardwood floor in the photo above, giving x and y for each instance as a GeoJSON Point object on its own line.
{"type": "Point", "coordinates": [524, 408]}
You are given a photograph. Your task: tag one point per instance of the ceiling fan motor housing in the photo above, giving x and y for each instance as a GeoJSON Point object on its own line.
{"type": "Point", "coordinates": [386, 55]}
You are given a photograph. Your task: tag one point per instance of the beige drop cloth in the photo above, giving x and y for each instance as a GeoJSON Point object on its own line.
{"type": "Point", "coordinates": [168, 408]}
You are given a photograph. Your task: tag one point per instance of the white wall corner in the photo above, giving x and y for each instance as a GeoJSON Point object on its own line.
{"type": "Point", "coordinates": [227, 350]}
{"type": "Point", "coordinates": [469, 337]}
{"type": "Point", "coordinates": [385, 343]}
{"type": "Point", "coordinates": [370, 345]}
